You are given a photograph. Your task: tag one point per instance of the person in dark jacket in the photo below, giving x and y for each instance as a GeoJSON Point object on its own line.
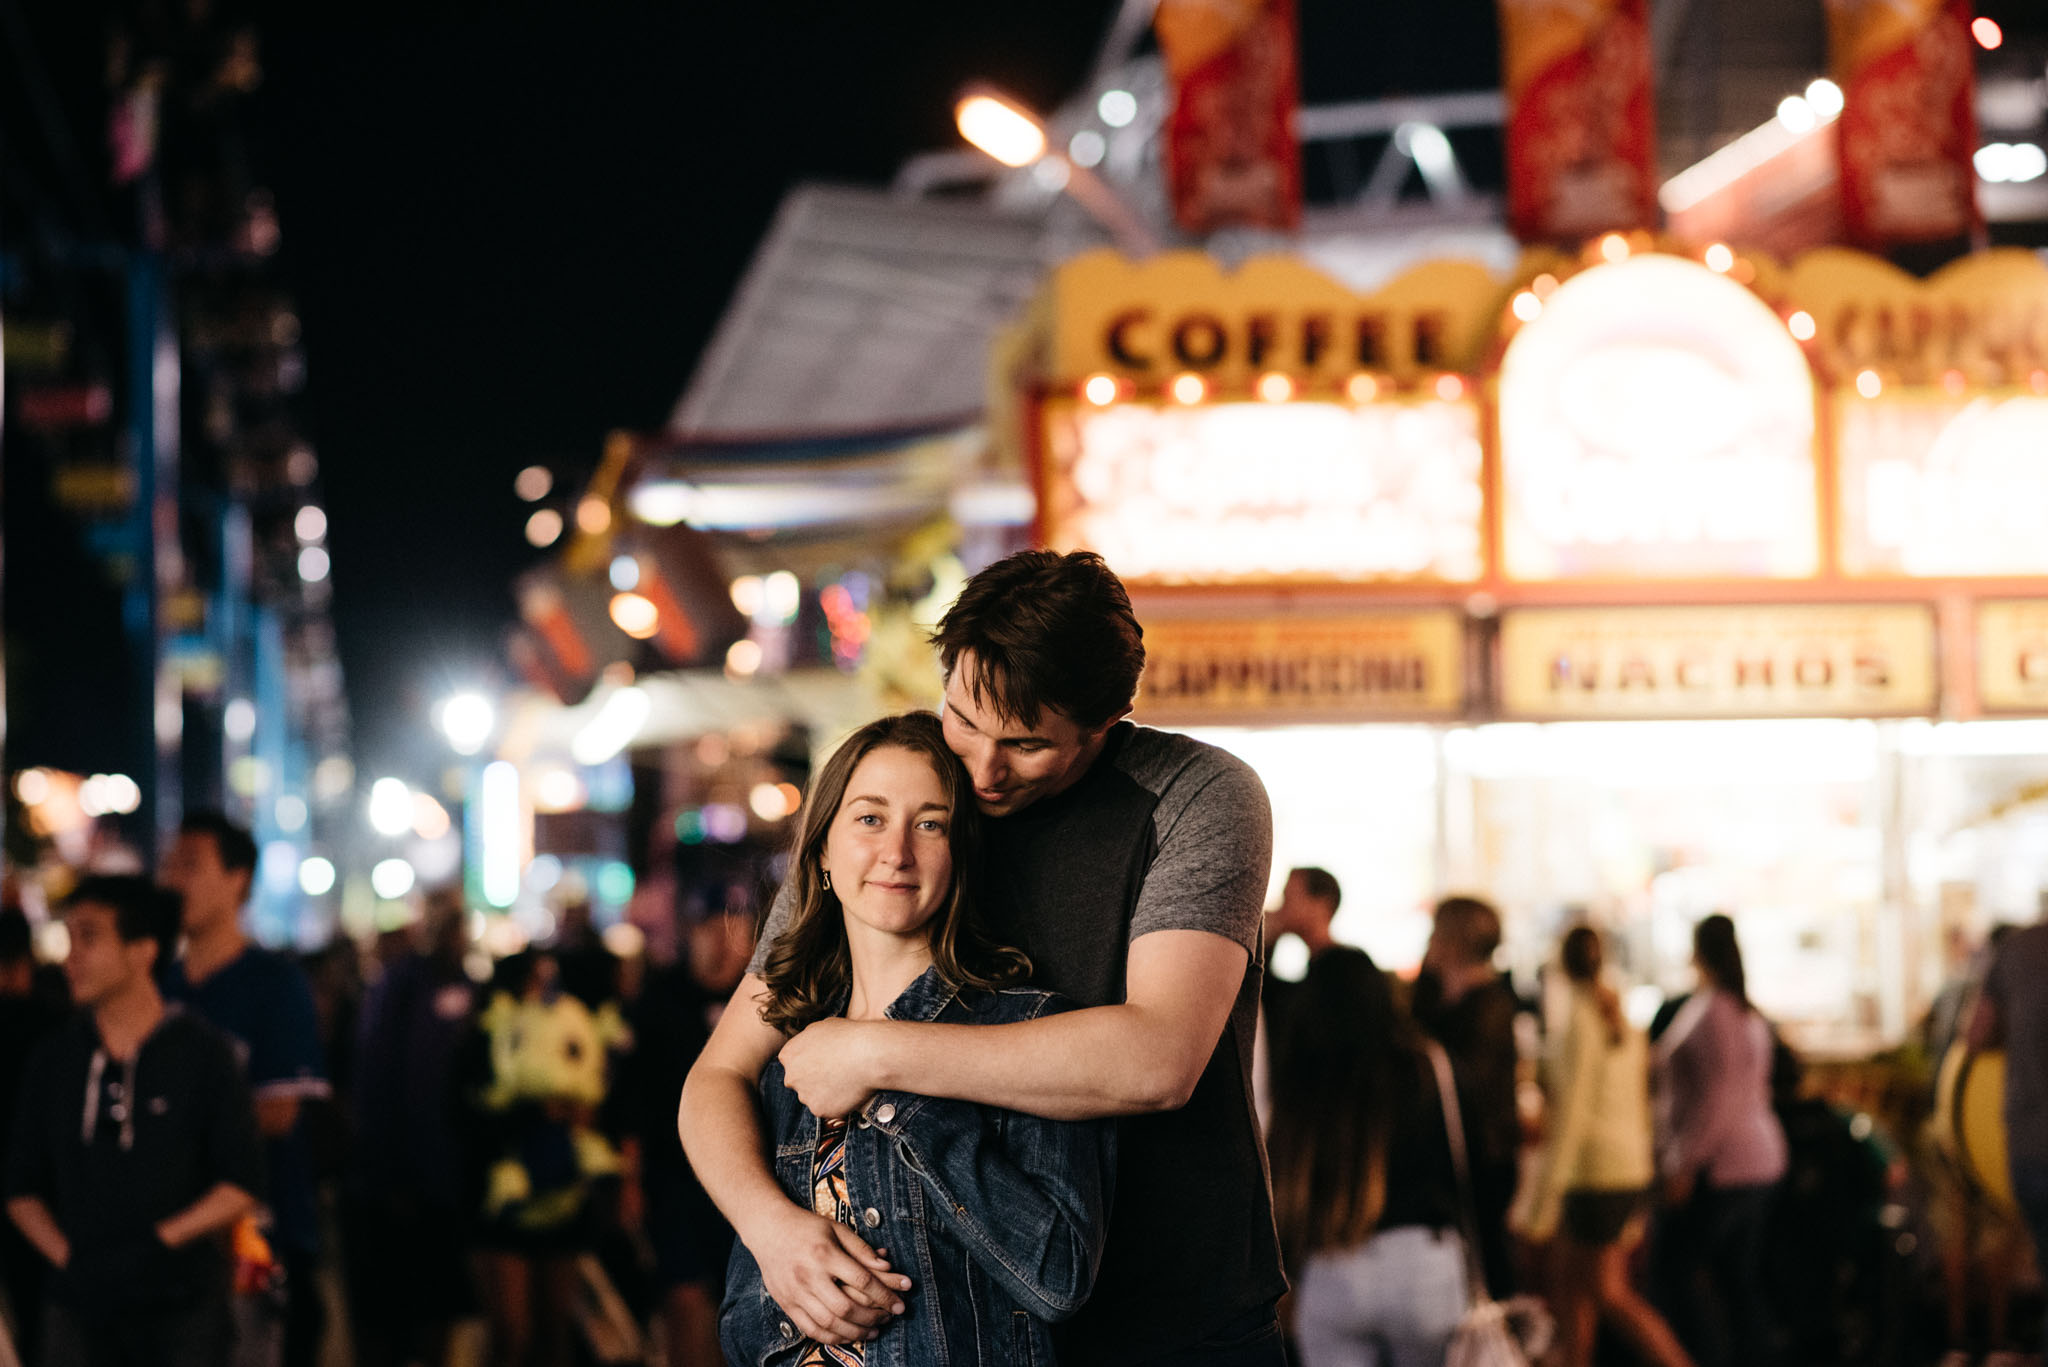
{"type": "Point", "coordinates": [135, 1151]}
{"type": "Point", "coordinates": [1004, 1213]}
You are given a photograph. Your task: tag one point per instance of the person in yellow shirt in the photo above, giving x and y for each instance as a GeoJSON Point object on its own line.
{"type": "Point", "coordinates": [1590, 1194]}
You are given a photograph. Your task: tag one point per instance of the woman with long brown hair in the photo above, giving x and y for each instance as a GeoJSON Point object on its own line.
{"type": "Point", "coordinates": [1363, 1188]}
{"type": "Point", "coordinates": [1003, 1214]}
{"type": "Point", "coordinates": [1590, 1193]}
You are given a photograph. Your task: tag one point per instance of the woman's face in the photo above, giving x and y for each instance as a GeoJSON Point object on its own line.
{"type": "Point", "coordinates": [889, 848]}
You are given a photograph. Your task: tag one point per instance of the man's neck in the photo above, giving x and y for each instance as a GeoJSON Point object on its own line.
{"type": "Point", "coordinates": [1317, 938]}
{"type": "Point", "coordinates": [1463, 978]}
{"type": "Point", "coordinates": [214, 949]}
{"type": "Point", "coordinates": [125, 1019]}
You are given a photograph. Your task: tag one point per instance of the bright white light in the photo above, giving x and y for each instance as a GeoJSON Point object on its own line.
{"type": "Point", "coordinates": [238, 720]}
{"type": "Point", "coordinates": [781, 596]}
{"type": "Point", "coordinates": [618, 720]}
{"type": "Point", "coordinates": [544, 528]}
{"type": "Point", "coordinates": [314, 564]}
{"type": "Point", "coordinates": [1052, 174]}
{"type": "Point", "coordinates": [1869, 383]}
{"type": "Point", "coordinates": [390, 807]}
{"type": "Point", "coordinates": [316, 876]}
{"type": "Point", "coordinates": [123, 794]}
{"type": "Point", "coordinates": [635, 615]}
{"type": "Point", "coordinates": [1801, 326]}
{"type": "Point", "coordinates": [1720, 259]}
{"type": "Point", "coordinates": [660, 502]}
{"type": "Point", "coordinates": [1100, 390]}
{"type": "Point", "coordinates": [1189, 388]}
{"type": "Point", "coordinates": [310, 524]}
{"type": "Point", "coordinates": [498, 826]}
{"type": "Point", "coordinates": [625, 573]}
{"type": "Point", "coordinates": [32, 786]}
{"type": "Point", "coordinates": [1275, 387]}
{"type": "Point", "coordinates": [533, 483]}
{"type": "Point", "coordinates": [769, 801]}
{"type": "Point", "coordinates": [1290, 958]}
{"type": "Point", "coordinates": [467, 720]}
{"type": "Point", "coordinates": [1527, 307]}
{"type": "Point", "coordinates": [391, 879]}
{"type": "Point", "coordinates": [2007, 163]}
{"type": "Point", "coordinates": [1825, 97]}
{"type": "Point", "coordinates": [743, 658]}
{"type": "Point", "coordinates": [1000, 129]}
{"type": "Point", "coordinates": [1117, 108]}
{"type": "Point", "coordinates": [1797, 115]}
{"type": "Point", "coordinates": [746, 595]}
{"type": "Point", "coordinates": [291, 814]}
{"type": "Point", "coordinates": [1427, 144]}
{"type": "Point", "coordinates": [1087, 148]}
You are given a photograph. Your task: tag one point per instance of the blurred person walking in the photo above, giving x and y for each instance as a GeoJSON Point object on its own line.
{"type": "Point", "coordinates": [672, 1020]}
{"type": "Point", "coordinates": [262, 1001]}
{"type": "Point", "coordinates": [1364, 1190]}
{"type": "Point", "coordinates": [411, 1184]}
{"type": "Point", "coordinates": [1591, 1188]}
{"type": "Point", "coordinates": [1464, 1003]}
{"type": "Point", "coordinates": [1720, 1157]}
{"type": "Point", "coordinates": [2012, 1013]}
{"type": "Point", "coordinates": [1308, 904]}
{"type": "Point", "coordinates": [27, 1016]}
{"type": "Point", "coordinates": [129, 1203]}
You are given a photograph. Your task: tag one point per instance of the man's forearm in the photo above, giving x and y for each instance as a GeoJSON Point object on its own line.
{"type": "Point", "coordinates": [31, 1215]}
{"type": "Point", "coordinates": [719, 1122]}
{"type": "Point", "coordinates": [1079, 1065]}
{"type": "Point", "coordinates": [210, 1214]}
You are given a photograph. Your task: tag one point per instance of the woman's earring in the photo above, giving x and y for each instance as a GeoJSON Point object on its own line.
{"type": "Point", "coordinates": [826, 876]}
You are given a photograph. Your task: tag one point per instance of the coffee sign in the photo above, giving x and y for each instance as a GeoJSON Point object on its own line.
{"type": "Point", "coordinates": [1376, 666]}
{"type": "Point", "coordinates": [2012, 655]}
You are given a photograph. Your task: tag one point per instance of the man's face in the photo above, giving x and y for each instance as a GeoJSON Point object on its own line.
{"type": "Point", "coordinates": [1297, 908]}
{"type": "Point", "coordinates": [211, 893]}
{"type": "Point", "coordinates": [100, 964]}
{"type": "Point", "coordinates": [1009, 765]}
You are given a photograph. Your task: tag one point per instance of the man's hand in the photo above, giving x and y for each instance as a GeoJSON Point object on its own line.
{"type": "Point", "coordinates": [830, 1067]}
{"type": "Point", "coordinates": [833, 1287]}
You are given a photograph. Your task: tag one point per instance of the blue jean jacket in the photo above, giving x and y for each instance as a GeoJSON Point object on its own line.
{"type": "Point", "coordinates": [997, 1217]}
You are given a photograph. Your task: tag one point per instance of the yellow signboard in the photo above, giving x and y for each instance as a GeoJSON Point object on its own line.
{"type": "Point", "coordinates": [1865, 660]}
{"type": "Point", "coordinates": [1184, 311]}
{"type": "Point", "coordinates": [2012, 655]}
{"type": "Point", "coordinates": [1373, 666]}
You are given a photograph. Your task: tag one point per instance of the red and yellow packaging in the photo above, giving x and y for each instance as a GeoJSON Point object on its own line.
{"type": "Point", "coordinates": [1232, 155]}
{"type": "Point", "coordinates": [1581, 139]}
{"type": "Point", "coordinates": [1908, 129]}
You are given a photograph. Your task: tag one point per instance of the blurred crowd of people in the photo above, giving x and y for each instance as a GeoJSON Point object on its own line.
{"type": "Point", "coordinates": [1681, 1188]}
{"type": "Point", "coordinates": [385, 1142]}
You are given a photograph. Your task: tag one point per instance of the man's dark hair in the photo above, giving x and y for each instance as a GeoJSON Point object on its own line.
{"type": "Point", "coordinates": [1320, 884]}
{"type": "Point", "coordinates": [1472, 924]}
{"type": "Point", "coordinates": [1047, 630]}
{"type": "Point", "coordinates": [237, 848]}
{"type": "Point", "coordinates": [142, 910]}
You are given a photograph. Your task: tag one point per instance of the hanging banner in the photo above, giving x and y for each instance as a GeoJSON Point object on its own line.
{"type": "Point", "coordinates": [1581, 146]}
{"type": "Point", "coordinates": [1908, 128]}
{"type": "Point", "coordinates": [1358, 666]}
{"type": "Point", "coordinates": [1232, 157]}
{"type": "Point", "coordinates": [1836, 660]}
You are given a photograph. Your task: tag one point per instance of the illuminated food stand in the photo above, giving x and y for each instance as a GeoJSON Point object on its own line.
{"type": "Point", "coordinates": [1635, 584]}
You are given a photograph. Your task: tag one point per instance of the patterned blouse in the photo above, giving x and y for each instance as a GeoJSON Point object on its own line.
{"type": "Point", "coordinates": [829, 1199]}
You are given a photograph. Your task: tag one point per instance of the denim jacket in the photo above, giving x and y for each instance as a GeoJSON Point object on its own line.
{"type": "Point", "coordinates": [996, 1216]}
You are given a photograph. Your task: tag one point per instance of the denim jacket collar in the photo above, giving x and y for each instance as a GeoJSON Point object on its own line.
{"type": "Point", "coordinates": [924, 999]}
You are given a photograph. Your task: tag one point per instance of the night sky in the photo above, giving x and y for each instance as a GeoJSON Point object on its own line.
{"type": "Point", "coordinates": [511, 232]}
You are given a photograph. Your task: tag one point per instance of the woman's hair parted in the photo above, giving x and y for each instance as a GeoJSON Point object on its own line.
{"type": "Point", "coordinates": [1583, 956]}
{"type": "Point", "coordinates": [808, 969]}
{"type": "Point", "coordinates": [1347, 1068]}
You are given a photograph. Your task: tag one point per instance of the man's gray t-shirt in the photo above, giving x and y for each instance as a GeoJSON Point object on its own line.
{"type": "Point", "coordinates": [1162, 833]}
{"type": "Point", "coordinates": [2018, 985]}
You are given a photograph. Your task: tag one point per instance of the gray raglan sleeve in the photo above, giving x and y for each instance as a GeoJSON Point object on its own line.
{"type": "Point", "coordinates": [779, 912]}
{"type": "Point", "coordinates": [1215, 832]}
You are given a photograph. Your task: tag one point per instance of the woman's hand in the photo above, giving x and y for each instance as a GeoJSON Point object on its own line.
{"type": "Point", "coordinates": [833, 1287]}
